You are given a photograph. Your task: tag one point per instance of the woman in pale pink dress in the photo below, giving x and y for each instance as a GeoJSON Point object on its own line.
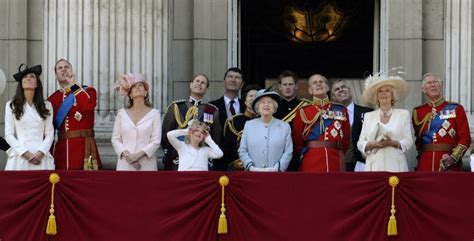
{"type": "Point", "coordinates": [137, 129]}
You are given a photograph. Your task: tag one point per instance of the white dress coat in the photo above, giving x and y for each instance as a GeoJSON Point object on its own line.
{"type": "Point", "coordinates": [144, 136]}
{"type": "Point", "coordinates": [389, 158]}
{"type": "Point", "coordinates": [30, 133]}
{"type": "Point", "coordinates": [190, 158]}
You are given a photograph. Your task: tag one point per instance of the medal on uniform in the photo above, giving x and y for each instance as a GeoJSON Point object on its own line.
{"type": "Point", "coordinates": [208, 118]}
{"type": "Point", "coordinates": [78, 116]}
{"type": "Point", "coordinates": [324, 115]}
{"type": "Point", "coordinates": [448, 114]}
{"type": "Point", "coordinates": [452, 132]}
{"type": "Point", "coordinates": [442, 132]}
{"type": "Point", "coordinates": [446, 124]}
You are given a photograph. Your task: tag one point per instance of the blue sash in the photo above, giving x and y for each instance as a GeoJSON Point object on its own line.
{"type": "Point", "coordinates": [436, 125]}
{"type": "Point", "coordinates": [64, 109]}
{"type": "Point", "coordinates": [316, 132]}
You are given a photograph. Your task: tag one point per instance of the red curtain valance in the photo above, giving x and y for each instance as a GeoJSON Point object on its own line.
{"type": "Point", "coordinates": [109, 205]}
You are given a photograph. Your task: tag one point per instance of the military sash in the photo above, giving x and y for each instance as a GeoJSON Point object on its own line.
{"type": "Point", "coordinates": [437, 122]}
{"type": "Point", "coordinates": [290, 116]}
{"type": "Point", "coordinates": [66, 107]}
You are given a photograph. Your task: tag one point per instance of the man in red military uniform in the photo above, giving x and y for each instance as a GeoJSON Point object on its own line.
{"type": "Point", "coordinates": [73, 107]}
{"type": "Point", "coordinates": [321, 131]}
{"type": "Point", "coordinates": [441, 129]}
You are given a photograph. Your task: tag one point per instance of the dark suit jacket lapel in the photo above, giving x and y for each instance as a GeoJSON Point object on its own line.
{"type": "Point", "coordinates": [242, 106]}
{"type": "Point", "coordinates": [220, 103]}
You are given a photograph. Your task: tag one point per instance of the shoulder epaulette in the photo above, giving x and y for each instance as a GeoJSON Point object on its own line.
{"type": "Point", "coordinates": [453, 103]}
{"type": "Point", "coordinates": [55, 92]}
{"type": "Point", "coordinates": [291, 115]}
{"type": "Point", "coordinates": [176, 102]}
{"type": "Point", "coordinates": [208, 103]}
{"type": "Point", "coordinates": [416, 107]}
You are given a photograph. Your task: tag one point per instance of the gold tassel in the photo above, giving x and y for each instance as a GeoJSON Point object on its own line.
{"type": "Point", "coordinates": [51, 228]}
{"type": "Point", "coordinates": [392, 222]}
{"type": "Point", "coordinates": [222, 227]}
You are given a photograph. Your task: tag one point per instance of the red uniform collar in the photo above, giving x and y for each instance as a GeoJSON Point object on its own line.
{"type": "Point", "coordinates": [320, 102]}
{"type": "Point", "coordinates": [436, 103]}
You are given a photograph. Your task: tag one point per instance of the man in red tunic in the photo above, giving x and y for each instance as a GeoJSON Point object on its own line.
{"type": "Point", "coordinates": [441, 129]}
{"type": "Point", "coordinates": [321, 131]}
{"type": "Point", "coordinates": [73, 107]}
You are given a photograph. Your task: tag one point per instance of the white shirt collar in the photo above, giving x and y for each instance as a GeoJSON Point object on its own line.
{"type": "Point", "coordinates": [236, 105]}
{"type": "Point", "coordinates": [350, 111]}
{"type": "Point", "coordinates": [227, 100]}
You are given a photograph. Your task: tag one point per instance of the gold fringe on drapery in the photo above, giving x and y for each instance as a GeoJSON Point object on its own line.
{"type": "Point", "coordinates": [51, 228]}
{"type": "Point", "coordinates": [222, 228]}
{"type": "Point", "coordinates": [392, 222]}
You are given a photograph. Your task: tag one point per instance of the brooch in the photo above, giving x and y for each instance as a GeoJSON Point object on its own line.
{"type": "Point", "coordinates": [78, 116]}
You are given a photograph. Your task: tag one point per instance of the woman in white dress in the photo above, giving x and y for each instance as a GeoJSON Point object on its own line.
{"type": "Point", "coordinates": [137, 129]}
{"type": "Point", "coordinates": [29, 124]}
{"type": "Point", "coordinates": [386, 132]}
{"type": "Point", "coordinates": [197, 147]}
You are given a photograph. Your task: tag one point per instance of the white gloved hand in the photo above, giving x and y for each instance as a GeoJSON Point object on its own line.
{"type": "Point", "coordinates": [271, 169]}
{"type": "Point", "coordinates": [255, 169]}
{"type": "Point", "coordinates": [267, 169]}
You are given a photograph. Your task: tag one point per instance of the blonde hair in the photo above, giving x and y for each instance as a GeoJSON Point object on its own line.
{"type": "Point", "coordinates": [395, 95]}
{"type": "Point", "coordinates": [196, 123]}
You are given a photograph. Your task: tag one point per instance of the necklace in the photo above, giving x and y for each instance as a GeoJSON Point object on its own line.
{"type": "Point", "coordinates": [386, 114]}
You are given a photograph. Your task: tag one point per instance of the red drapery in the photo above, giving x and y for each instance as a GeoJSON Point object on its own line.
{"type": "Point", "coordinates": [260, 206]}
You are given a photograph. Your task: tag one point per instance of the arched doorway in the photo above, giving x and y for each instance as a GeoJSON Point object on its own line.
{"type": "Point", "coordinates": [335, 38]}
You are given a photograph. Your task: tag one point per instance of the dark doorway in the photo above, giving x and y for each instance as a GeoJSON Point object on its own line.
{"type": "Point", "coordinates": [330, 37]}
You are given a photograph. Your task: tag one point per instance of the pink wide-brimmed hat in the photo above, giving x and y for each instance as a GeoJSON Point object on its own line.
{"type": "Point", "coordinates": [126, 81]}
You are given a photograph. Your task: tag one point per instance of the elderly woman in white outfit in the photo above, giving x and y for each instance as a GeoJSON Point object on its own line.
{"type": "Point", "coordinates": [137, 129]}
{"type": "Point", "coordinates": [197, 148]}
{"type": "Point", "coordinates": [266, 144]}
{"type": "Point", "coordinates": [28, 124]}
{"type": "Point", "coordinates": [386, 132]}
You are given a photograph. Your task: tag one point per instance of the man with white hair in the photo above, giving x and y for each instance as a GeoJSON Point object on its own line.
{"type": "Point", "coordinates": [441, 128]}
{"type": "Point", "coordinates": [321, 131]}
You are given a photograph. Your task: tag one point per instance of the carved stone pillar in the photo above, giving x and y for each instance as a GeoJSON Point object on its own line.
{"type": "Point", "coordinates": [458, 42]}
{"type": "Point", "coordinates": [102, 40]}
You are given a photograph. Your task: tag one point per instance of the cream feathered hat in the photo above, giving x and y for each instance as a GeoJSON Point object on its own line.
{"type": "Point", "coordinates": [374, 82]}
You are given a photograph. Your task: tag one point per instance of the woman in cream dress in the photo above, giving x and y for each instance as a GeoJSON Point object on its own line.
{"type": "Point", "coordinates": [28, 124]}
{"type": "Point", "coordinates": [386, 132]}
{"type": "Point", "coordinates": [137, 129]}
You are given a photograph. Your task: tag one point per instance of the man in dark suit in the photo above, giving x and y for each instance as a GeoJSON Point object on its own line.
{"type": "Point", "coordinates": [341, 93]}
{"type": "Point", "coordinates": [230, 104]}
